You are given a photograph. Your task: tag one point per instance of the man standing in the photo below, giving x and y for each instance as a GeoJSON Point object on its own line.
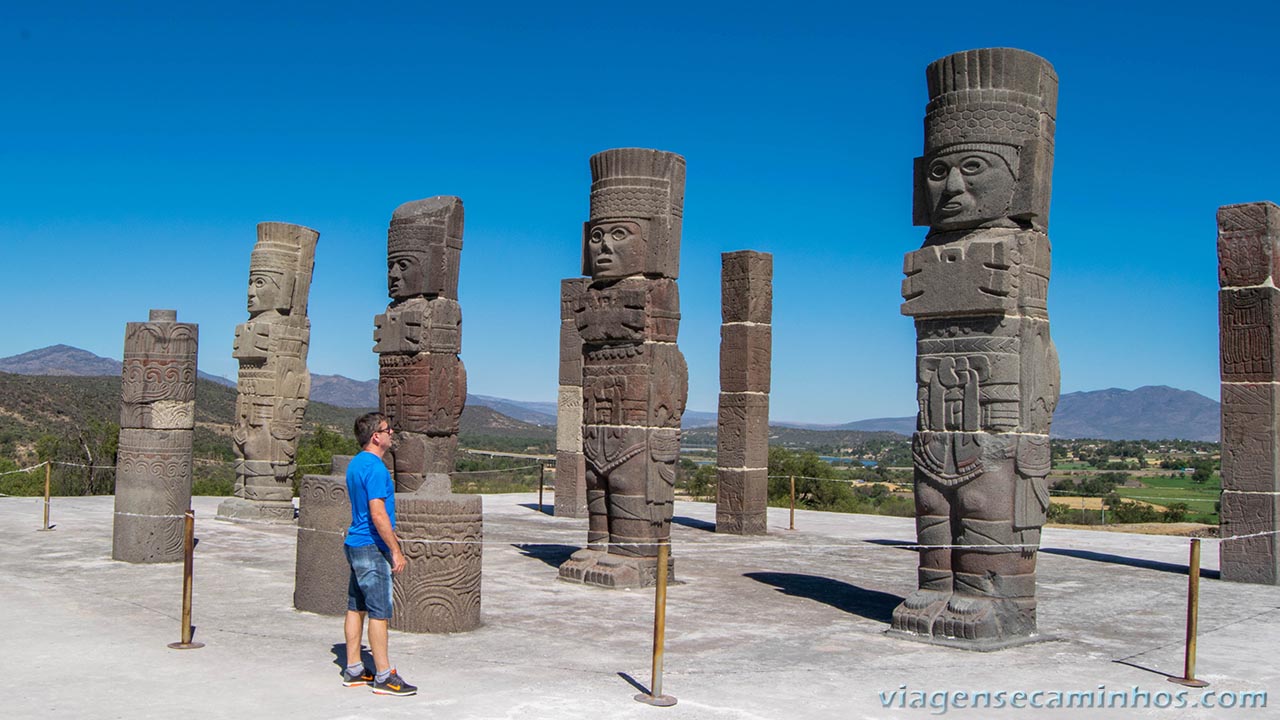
{"type": "Point", "coordinates": [373, 552]}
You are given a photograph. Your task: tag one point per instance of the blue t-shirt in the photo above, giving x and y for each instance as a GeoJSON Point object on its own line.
{"type": "Point", "coordinates": [368, 479]}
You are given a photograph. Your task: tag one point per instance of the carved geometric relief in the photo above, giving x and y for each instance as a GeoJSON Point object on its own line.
{"type": "Point", "coordinates": [742, 438]}
{"type": "Point", "coordinates": [1247, 334]}
{"type": "Point", "coordinates": [1250, 434]}
{"type": "Point", "coordinates": [1247, 238]}
{"type": "Point", "coordinates": [422, 393]}
{"type": "Point", "coordinates": [420, 325]}
{"type": "Point", "coordinates": [644, 385]}
{"type": "Point", "coordinates": [1253, 559]}
{"type": "Point", "coordinates": [442, 538]}
{"type": "Point", "coordinates": [746, 287]}
{"type": "Point", "coordinates": [569, 419]}
{"type": "Point", "coordinates": [746, 352]}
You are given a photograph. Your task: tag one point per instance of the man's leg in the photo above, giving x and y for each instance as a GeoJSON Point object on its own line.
{"type": "Point", "coordinates": [378, 644]}
{"type": "Point", "coordinates": [354, 628]}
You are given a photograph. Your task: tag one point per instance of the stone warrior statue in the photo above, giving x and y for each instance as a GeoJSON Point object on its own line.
{"type": "Point", "coordinates": [274, 384]}
{"type": "Point", "coordinates": [422, 388]}
{"type": "Point", "coordinates": [986, 370]}
{"type": "Point", "coordinates": [634, 378]}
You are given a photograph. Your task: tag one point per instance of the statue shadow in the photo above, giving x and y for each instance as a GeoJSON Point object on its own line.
{"type": "Point", "coordinates": [1176, 568]}
{"type": "Point", "coordinates": [553, 555]}
{"type": "Point", "coordinates": [545, 508]}
{"type": "Point", "coordinates": [339, 651]}
{"type": "Point", "coordinates": [694, 523]}
{"type": "Point", "coordinates": [870, 604]}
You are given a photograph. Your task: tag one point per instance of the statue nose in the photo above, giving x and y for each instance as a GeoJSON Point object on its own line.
{"type": "Point", "coordinates": [955, 181]}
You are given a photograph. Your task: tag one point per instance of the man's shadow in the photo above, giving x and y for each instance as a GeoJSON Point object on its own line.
{"type": "Point", "coordinates": [870, 604]}
{"type": "Point", "coordinates": [339, 651]}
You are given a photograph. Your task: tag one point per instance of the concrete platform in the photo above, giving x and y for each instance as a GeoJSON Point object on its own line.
{"type": "Point", "coordinates": [791, 625]}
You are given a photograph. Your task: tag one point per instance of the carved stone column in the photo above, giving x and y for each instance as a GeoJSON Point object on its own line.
{"type": "Point", "coordinates": [422, 388]}
{"type": "Point", "coordinates": [157, 419]}
{"type": "Point", "coordinates": [1249, 308]}
{"type": "Point", "coordinates": [571, 481]}
{"type": "Point", "coordinates": [987, 372]}
{"type": "Point", "coordinates": [746, 350]}
{"type": "Point", "coordinates": [274, 384]}
{"type": "Point", "coordinates": [635, 381]}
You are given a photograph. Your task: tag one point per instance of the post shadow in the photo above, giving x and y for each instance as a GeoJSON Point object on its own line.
{"type": "Point", "coordinates": [870, 604]}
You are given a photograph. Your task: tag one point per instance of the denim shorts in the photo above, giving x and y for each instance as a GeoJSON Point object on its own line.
{"type": "Point", "coordinates": [369, 587]}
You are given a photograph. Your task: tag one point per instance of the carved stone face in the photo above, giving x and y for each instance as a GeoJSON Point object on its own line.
{"type": "Point", "coordinates": [967, 188]}
{"type": "Point", "coordinates": [405, 276]}
{"type": "Point", "coordinates": [615, 248]}
{"type": "Point", "coordinates": [266, 292]}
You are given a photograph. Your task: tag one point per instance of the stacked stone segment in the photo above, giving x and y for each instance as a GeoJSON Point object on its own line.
{"type": "Point", "coordinates": [157, 420]}
{"type": "Point", "coordinates": [1248, 265]}
{"type": "Point", "coordinates": [634, 378]}
{"type": "Point", "coordinates": [324, 514]}
{"type": "Point", "coordinates": [742, 447]}
{"type": "Point", "coordinates": [571, 480]}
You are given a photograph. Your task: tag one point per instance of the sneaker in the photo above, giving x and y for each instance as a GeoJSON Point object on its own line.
{"type": "Point", "coordinates": [364, 677]}
{"type": "Point", "coordinates": [394, 685]}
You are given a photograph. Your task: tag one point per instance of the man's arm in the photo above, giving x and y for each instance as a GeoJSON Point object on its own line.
{"type": "Point", "coordinates": [382, 523]}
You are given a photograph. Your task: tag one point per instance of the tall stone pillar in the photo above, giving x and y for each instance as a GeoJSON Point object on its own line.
{"type": "Point", "coordinates": [422, 387]}
{"type": "Point", "coordinates": [157, 419]}
{"type": "Point", "coordinates": [1249, 308]}
{"type": "Point", "coordinates": [571, 481]}
{"type": "Point", "coordinates": [274, 385]}
{"type": "Point", "coordinates": [746, 350]}
{"type": "Point", "coordinates": [634, 378]}
{"type": "Point", "coordinates": [986, 370]}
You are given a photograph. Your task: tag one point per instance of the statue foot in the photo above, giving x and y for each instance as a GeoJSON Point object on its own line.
{"type": "Point", "coordinates": [918, 611]}
{"type": "Point", "coordinates": [578, 564]}
{"type": "Point", "coordinates": [607, 570]}
{"type": "Point", "coordinates": [968, 617]}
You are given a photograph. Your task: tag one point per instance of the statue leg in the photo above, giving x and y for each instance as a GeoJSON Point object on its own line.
{"type": "Point", "coordinates": [918, 611]}
{"type": "Point", "coordinates": [994, 586]}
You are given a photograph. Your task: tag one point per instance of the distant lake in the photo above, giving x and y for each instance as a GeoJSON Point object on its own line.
{"type": "Point", "coordinates": [847, 461]}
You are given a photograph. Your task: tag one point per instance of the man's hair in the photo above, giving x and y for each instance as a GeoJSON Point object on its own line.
{"type": "Point", "coordinates": [366, 426]}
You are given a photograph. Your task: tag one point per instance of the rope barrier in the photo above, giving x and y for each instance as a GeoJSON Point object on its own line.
{"type": "Point", "coordinates": [26, 469]}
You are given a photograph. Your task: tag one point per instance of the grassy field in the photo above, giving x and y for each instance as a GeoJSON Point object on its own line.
{"type": "Point", "coordinates": [1165, 490]}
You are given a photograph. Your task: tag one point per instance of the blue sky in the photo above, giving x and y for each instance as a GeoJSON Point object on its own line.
{"type": "Point", "coordinates": [142, 143]}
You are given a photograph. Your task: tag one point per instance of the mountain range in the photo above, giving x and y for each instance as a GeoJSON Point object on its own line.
{"type": "Point", "coordinates": [1148, 413]}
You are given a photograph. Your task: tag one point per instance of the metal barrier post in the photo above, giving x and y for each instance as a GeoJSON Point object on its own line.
{"type": "Point", "coordinates": [48, 468]}
{"type": "Point", "coordinates": [187, 563]}
{"type": "Point", "coordinates": [793, 503]}
{"type": "Point", "coordinates": [655, 696]}
{"type": "Point", "coordinates": [1193, 613]}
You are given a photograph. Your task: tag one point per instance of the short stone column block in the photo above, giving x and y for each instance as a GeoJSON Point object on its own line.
{"type": "Point", "coordinates": [324, 514]}
{"type": "Point", "coordinates": [442, 539]}
{"type": "Point", "coordinates": [1249, 340]}
{"type": "Point", "coordinates": [742, 446]}
{"type": "Point", "coordinates": [157, 418]}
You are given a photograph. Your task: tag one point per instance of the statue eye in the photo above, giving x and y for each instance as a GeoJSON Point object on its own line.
{"type": "Point", "coordinates": [973, 165]}
{"type": "Point", "coordinates": [938, 171]}
{"type": "Point", "coordinates": [620, 233]}
{"type": "Point", "coordinates": [597, 235]}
